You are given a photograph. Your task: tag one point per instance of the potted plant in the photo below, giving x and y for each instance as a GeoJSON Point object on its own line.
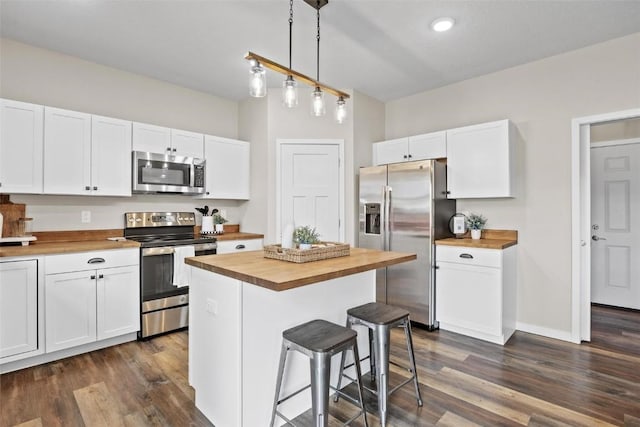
{"type": "Point", "coordinates": [218, 220]}
{"type": "Point", "coordinates": [476, 223]}
{"type": "Point", "coordinates": [305, 236]}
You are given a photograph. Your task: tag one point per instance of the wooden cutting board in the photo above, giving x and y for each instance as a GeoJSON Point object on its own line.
{"type": "Point", "coordinates": [11, 213]}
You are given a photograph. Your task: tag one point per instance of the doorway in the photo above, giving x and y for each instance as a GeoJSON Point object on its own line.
{"type": "Point", "coordinates": [581, 219]}
{"type": "Point", "coordinates": [310, 187]}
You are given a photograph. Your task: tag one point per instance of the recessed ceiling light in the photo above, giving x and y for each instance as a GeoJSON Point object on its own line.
{"type": "Point", "coordinates": [442, 24]}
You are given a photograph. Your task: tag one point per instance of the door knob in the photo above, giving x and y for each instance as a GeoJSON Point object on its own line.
{"type": "Point", "coordinates": [596, 238]}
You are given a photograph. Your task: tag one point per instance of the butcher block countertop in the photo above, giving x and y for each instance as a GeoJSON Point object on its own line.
{"type": "Point", "coordinates": [491, 239]}
{"type": "Point", "coordinates": [252, 267]}
{"type": "Point", "coordinates": [238, 236]}
{"type": "Point", "coordinates": [49, 248]}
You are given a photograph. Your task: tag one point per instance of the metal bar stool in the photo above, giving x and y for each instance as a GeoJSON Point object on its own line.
{"type": "Point", "coordinates": [380, 318]}
{"type": "Point", "coordinates": [319, 340]}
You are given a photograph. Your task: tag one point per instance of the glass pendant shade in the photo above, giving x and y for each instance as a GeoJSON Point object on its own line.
{"type": "Point", "coordinates": [341, 110]}
{"type": "Point", "coordinates": [317, 102]}
{"type": "Point", "coordinates": [290, 92]}
{"type": "Point", "coordinates": [257, 81]}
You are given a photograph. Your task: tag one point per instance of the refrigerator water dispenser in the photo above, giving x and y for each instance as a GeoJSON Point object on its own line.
{"type": "Point", "coordinates": [372, 218]}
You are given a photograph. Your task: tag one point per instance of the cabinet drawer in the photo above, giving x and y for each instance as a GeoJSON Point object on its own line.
{"type": "Point", "coordinates": [469, 256]}
{"type": "Point", "coordinates": [228, 246]}
{"type": "Point", "coordinates": [90, 260]}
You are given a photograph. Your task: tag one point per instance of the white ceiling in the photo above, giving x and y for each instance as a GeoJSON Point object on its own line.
{"type": "Point", "coordinates": [382, 48]}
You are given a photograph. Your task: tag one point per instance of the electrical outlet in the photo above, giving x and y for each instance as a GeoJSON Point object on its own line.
{"type": "Point", "coordinates": [211, 306]}
{"type": "Point", "coordinates": [85, 217]}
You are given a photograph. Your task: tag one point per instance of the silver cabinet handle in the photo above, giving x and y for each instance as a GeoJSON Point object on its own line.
{"type": "Point", "coordinates": [96, 261]}
{"type": "Point", "coordinates": [95, 188]}
{"type": "Point", "coordinates": [93, 277]}
{"type": "Point", "coordinates": [100, 276]}
{"type": "Point", "coordinates": [596, 238]}
{"type": "Point", "coordinates": [466, 256]}
{"type": "Point", "coordinates": [240, 246]}
{"type": "Point", "coordinates": [87, 188]}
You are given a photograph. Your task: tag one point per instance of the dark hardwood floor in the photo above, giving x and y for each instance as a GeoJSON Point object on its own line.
{"type": "Point", "coordinates": [532, 381]}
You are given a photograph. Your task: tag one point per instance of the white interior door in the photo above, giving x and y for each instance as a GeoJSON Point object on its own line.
{"type": "Point", "coordinates": [310, 194]}
{"type": "Point", "coordinates": [615, 227]}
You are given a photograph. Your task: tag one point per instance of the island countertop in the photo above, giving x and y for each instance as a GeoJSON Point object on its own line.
{"type": "Point", "coordinates": [252, 267]}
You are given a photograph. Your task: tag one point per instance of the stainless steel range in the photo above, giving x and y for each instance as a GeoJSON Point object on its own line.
{"type": "Point", "coordinates": [164, 237]}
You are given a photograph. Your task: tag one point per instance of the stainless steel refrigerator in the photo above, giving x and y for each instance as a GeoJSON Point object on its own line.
{"type": "Point", "coordinates": [404, 208]}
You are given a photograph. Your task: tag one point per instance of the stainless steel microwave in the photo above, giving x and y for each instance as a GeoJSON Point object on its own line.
{"type": "Point", "coordinates": [167, 173]}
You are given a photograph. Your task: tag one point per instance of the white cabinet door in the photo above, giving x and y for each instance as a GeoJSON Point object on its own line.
{"type": "Point", "coordinates": [188, 144]}
{"type": "Point", "coordinates": [428, 146]}
{"type": "Point", "coordinates": [18, 307]}
{"type": "Point", "coordinates": [228, 168]}
{"type": "Point", "coordinates": [150, 138]}
{"type": "Point", "coordinates": [469, 297]}
{"type": "Point", "coordinates": [67, 152]}
{"type": "Point", "coordinates": [70, 301]}
{"type": "Point", "coordinates": [392, 151]}
{"type": "Point", "coordinates": [480, 161]}
{"type": "Point", "coordinates": [229, 246]}
{"type": "Point", "coordinates": [118, 301]}
{"type": "Point", "coordinates": [110, 156]}
{"type": "Point", "coordinates": [21, 147]}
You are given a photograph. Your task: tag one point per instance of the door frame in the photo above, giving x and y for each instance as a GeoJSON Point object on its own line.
{"type": "Point", "coordinates": [341, 179]}
{"type": "Point", "coordinates": [581, 219]}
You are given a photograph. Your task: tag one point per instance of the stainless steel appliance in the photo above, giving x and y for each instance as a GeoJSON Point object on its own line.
{"type": "Point", "coordinates": [164, 306]}
{"type": "Point", "coordinates": [167, 173]}
{"type": "Point", "coordinates": [404, 208]}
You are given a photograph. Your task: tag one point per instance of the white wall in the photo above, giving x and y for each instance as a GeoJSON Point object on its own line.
{"type": "Point", "coordinates": [40, 76]}
{"type": "Point", "coordinates": [541, 98]}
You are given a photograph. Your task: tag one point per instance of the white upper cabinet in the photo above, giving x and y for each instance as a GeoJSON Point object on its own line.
{"type": "Point", "coordinates": [428, 146]}
{"type": "Point", "coordinates": [391, 151]}
{"type": "Point", "coordinates": [480, 161]}
{"type": "Point", "coordinates": [228, 164]}
{"type": "Point", "coordinates": [110, 156]}
{"type": "Point", "coordinates": [21, 147]}
{"type": "Point", "coordinates": [67, 152]}
{"type": "Point", "coordinates": [158, 139]}
{"type": "Point", "coordinates": [188, 144]}
{"type": "Point", "coordinates": [150, 138]}
{"type": "Point", "coordinates": [86, 155]}
{"type": "Point", "coordinates": [419, 147]}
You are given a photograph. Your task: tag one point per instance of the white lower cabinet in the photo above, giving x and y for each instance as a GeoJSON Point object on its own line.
{"type": "Point", "coordinates": [476, 291]}
{"type": "Point", "coordinates": [18, 307]}
{"type": "Point", "coordinates": [229, 246]}
{"type": "Point", "coordinates": [86, 304]}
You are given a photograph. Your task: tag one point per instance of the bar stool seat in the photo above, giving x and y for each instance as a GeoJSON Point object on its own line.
{"type": "Point", "coordinates": [319, 340]}
{"type": "Point", "coordinates": [379, 319]}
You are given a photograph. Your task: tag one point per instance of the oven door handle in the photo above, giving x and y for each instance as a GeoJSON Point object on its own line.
{"type": "Point", "coordinates": [157, 251]}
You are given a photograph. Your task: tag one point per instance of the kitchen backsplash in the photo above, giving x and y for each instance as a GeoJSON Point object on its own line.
{"type": "Point", "coordinates": [52, 213]}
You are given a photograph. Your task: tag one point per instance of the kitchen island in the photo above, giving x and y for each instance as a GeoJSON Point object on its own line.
{"type": "Point", "coordinates": [240, 304]}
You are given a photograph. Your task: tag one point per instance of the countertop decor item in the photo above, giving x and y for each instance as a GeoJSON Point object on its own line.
{"type": "Point", "coordinates": [305, 236]}
{"type": "Point", "coordinates": [316, 252]}
{"type": "Point", "coordinates": [475, 223]}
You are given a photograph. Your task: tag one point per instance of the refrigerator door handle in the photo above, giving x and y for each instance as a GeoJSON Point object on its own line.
{"type": "Point", "coordinates": [387, 218]}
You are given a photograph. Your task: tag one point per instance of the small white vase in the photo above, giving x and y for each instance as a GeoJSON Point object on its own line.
{"type": "Point", "coordinates": [304, 246]}
{"type": "Point", "coordinates": [219, 228]}
{"type": "Point", "coordinates": [475, 234]}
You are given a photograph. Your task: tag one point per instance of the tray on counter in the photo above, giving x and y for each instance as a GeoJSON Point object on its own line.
{"type": "Point", "coordinates": [318, 251]}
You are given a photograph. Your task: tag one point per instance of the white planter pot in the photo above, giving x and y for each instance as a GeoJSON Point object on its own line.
{"type": "Point", "coordinates": [304, 246]}
{"type": "Point", "coordinates": [475, 234]}
{"type": "Point", "coordinates": [219, 228]}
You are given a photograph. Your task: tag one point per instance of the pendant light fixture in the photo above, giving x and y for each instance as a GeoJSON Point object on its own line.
{"type": "Point", "coordinates": [290, 86]}
{"type": "Point", "coordinates": [258, 87]}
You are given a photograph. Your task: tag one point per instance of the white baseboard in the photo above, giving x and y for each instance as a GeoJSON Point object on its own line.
{"type": "Point", "coordinates": [61, 354]}
{"type": "Point", "coordinates": [546, 332]}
